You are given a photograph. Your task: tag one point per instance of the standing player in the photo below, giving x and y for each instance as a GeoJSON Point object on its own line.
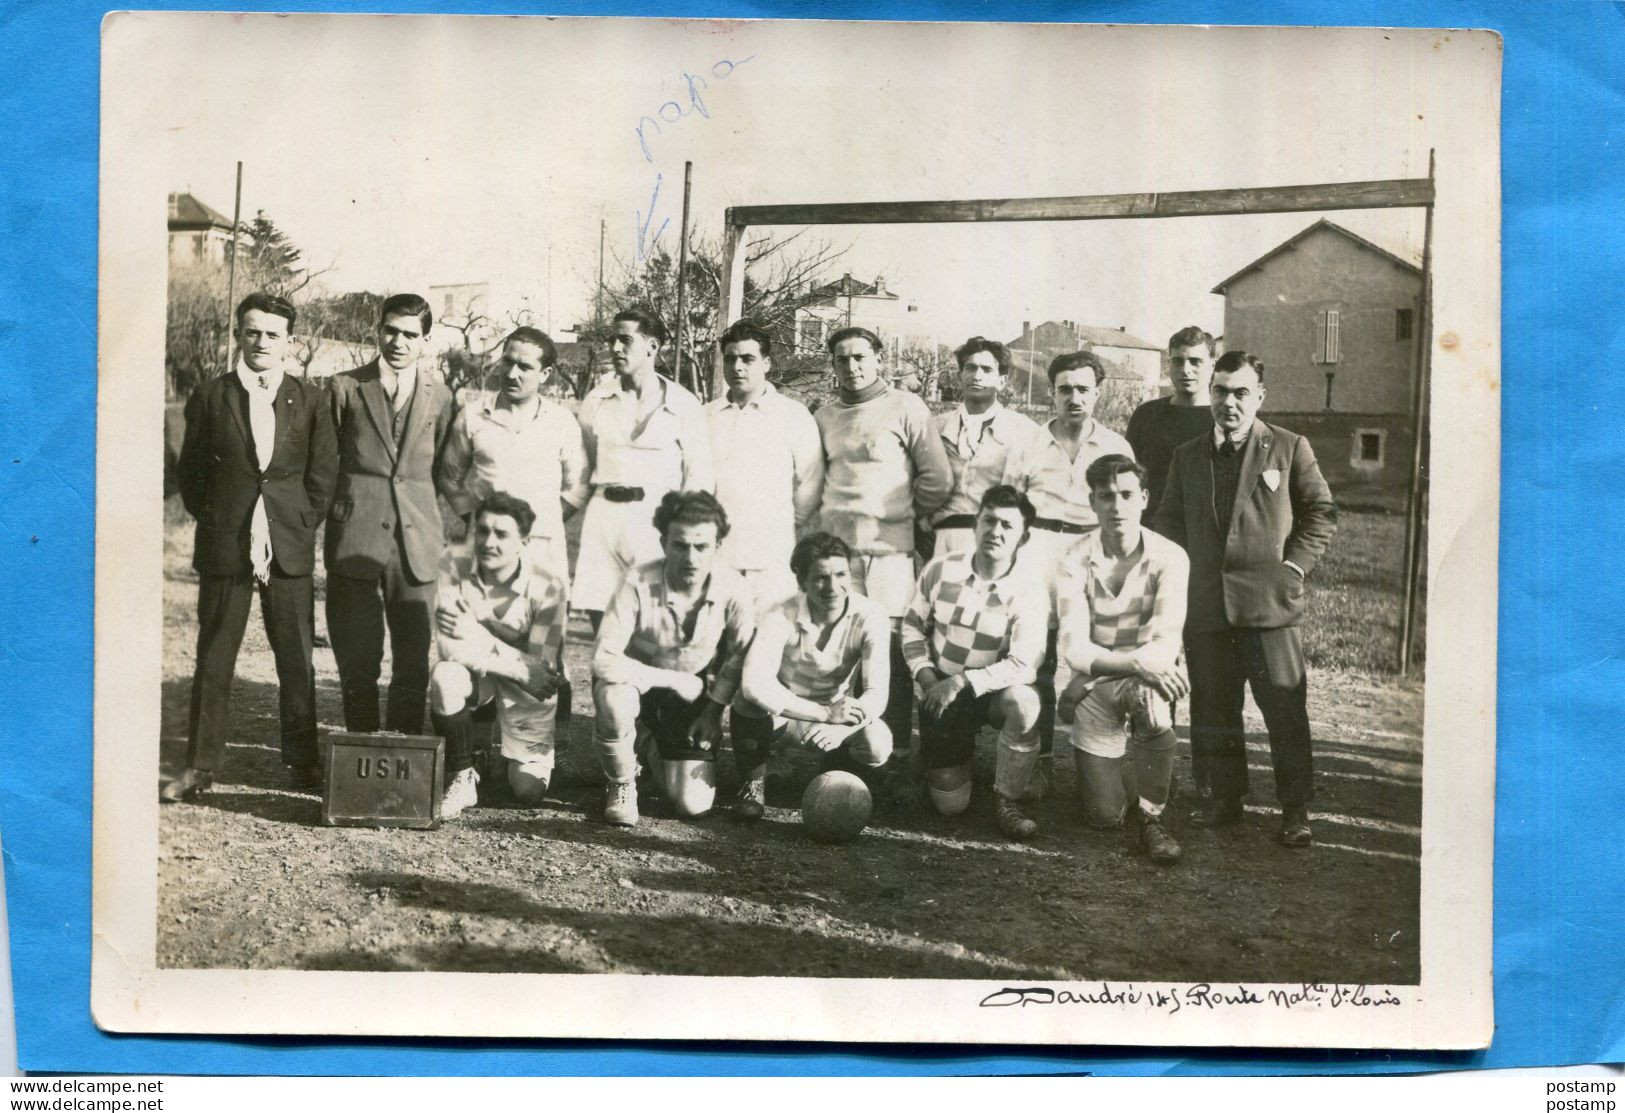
{"type": "Point", "coordinates": [1124, 588]}
{"type": "Point", "coordinates": [972, 639]}
{"type": "Point", "coordinates": [817, 674]}
{"type": "Point", "coordinates": [500, 617]}
{"type": "Point", "coordinates": [1255, 515]}
{"type": "Point", "coordinates": [978, 438]}
{"type": "Point", "coordinates": [523, 444]}
{"type": "Point", "coordinates": [645, 436]}
{"type": "Point", "coordinates": [769, 465]}
{"type": "Point", "coordinates": [670, 651]}
{"type": "Point", "coordinates": [384, 535]}
{"type": "Point", "coordinates": [1161, 425]}
{"type": "Point", "coordinates": [256, 469]}
{"type": "Point", "coordinates": [1050, 469]}
{"type": "Point", "coordinates": [884, 469]}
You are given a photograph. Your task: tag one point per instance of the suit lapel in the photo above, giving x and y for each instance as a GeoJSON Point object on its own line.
{"type": "Point", "coordinates": [237, 406]}
{"type": "Point", "coordinates": [377, 406]}
{"type": "Point", "coordinates": [1253, 460]}
{"type": "Point", "coordinates": [419, 413]}
{"type": "Point", "coordinates": [1202, 480]}
{"type": "Point", "coordinates": [283, 412]}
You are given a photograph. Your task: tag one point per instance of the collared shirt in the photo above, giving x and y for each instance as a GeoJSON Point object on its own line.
{"type": "Point", "coordinates": [1056, 483]}
{"type": "Point", "coordinates": [398, 385]}
{"type": "Point", "coordinates": [642, 634]}
{"type": "Point", "coordinates": [991, 630]}
{"type": "Point", "coordinates": [979, 447]}
{"type": "Point", "coordinates": [671, 452]}
{"type": "Point", "coordinates": [261, 407]}
{"type": "Point", "coordinates": [1148, 609]}
{"type": "Point", "coordinates": [1238, 438]}
{"type": "Point", "coordinates": [533, 452]}
{"type": "Point", "coordinates": [769, 467]}
{"type": "Point", "coordinates": [523, 619]}
{"type": "Point", "coordinates": [786, 659]}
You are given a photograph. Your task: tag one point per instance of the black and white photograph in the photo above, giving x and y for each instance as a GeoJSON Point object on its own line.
{"type": "Point", "coordinates": [797, 530]}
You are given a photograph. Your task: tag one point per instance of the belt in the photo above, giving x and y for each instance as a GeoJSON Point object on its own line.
{"type": "Point", "coordinates": [1055, 525]}
{"type": "Point", "coordinates": [955, 521]}
{"type": "Point", "coordinates": [614, 492]}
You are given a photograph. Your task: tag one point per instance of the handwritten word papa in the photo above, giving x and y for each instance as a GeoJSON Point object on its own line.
{"type": "Point", "coordinates": [690, 103]}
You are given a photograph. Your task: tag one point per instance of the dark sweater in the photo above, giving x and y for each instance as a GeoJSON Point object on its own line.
{"type": "Point", "coordinates": [1156, 429]}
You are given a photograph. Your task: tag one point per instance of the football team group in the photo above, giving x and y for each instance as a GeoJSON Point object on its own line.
{"type": "Point", "coordinates": [759, 573]}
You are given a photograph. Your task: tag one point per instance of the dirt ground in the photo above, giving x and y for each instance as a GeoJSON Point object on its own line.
{"type": "Point", "coordinates": [248, 877]}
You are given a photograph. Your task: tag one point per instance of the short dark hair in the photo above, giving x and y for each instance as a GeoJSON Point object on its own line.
{"type": "Point", "coordinates": [744, 330]}
{"type": "Point", "coordinates": [265, 303]}
{"type": "Point", "coordinates": [690, 508]}
{"type": "Point", "coordinates": [1108, 467]}
{"type": "Point", "coordinates": [407, 305]}
{"type": "Point", "coordinates": [855, 332]}
{"type": "Point", "coordinates": [1073, 361]}
{"type": "Point", "coordinates": [648, 324]}
{"type": "Point", "coordinates": [1002, 496]}
{"type": "Point", "coordinates": [814, 548]}
{"type": "Point", "coordinates": [1189, 337]}
{"type": "Point", "coordinates": [527, 335]}
{"type": "Point", "coordinates": [982, 344]}
{"type": "Point", "coordinates": [1239, 360]}
{"type": "Point", "coordinates": [500, 502]}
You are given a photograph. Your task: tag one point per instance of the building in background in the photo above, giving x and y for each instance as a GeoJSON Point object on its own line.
{"type": "Point", "coordinates": [1134, 367]}
{"type": "Point", "coordinates": [1334, 318]}
{"type": "Point", "coordinates": [197, 233]}
{"type": "Point", "coordinates": [850, 301]}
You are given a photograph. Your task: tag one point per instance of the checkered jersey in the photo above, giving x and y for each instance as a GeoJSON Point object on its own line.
{"type": "Point", "coordinates": [642, 635]}
{"type": "Point", "coordinates": [523, 618]}
{"type": "Point", "coordinates": [786, 660]}
{"type": "Point", "coordinates": [993, 631]}
{"type": "Point", "coordinates": [1149, 609]}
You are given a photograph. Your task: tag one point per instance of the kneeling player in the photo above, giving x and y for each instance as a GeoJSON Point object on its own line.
{"type": "Point", "coordinates": [973, 637]}
{"type": "Point", "coordinates": [809, 656]}
{"type": "Point", "coordinates": [1122, 621]}
{"type": "Point", "coordinates": [501, 625]}
{"type": "Point", "coordinates": [669, 654]}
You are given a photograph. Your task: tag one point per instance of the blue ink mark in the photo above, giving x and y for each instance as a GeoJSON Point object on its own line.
{"type": "Point", "coordinates": [676, 111]}
{"type": "Point", "coordinates": [646, 242]}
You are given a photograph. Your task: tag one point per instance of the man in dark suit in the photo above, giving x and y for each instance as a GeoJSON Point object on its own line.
{"type": "Point", "coordinates": [384, 539]}
{"type": "Point", "coordinates": [1254, 514]}
{"type": "Point", "coordinates": [256, 469]}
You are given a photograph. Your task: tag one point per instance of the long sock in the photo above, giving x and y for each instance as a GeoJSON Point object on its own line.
{"type": "Point", "coordinates": [616, 754]}
{"type": "Point", "coordinates": [1018, 755]}
{"type": "Point", "coordinates": [455, 730]}
{"type": "Point", "coordinates": [1154, 769]}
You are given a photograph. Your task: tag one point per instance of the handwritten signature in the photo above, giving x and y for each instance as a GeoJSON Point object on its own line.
{"type": "Point", "coordinates": [691, 102]}
{"type": "Point", "coordinates": [1200, 996]}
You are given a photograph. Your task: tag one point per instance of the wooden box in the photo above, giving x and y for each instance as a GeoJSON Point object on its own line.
{"type": "Point", "coordinates": [383, 780]}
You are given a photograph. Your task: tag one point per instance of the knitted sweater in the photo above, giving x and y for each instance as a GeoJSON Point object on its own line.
{"type": "Point", "coordinates": [883, 465]}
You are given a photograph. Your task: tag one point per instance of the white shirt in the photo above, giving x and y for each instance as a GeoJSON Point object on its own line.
{"type": "Point", "coordinates": [1056, 484]}
{"type": "Point", "coordinates": [399, 385]}
{"type": "Point", "coordinates": [769, 464]}
{"type": "Point", "coordinates": [671, 452]}
{"type": "Point", "coordinates": [533, 451]}
{"type": "Point", "coordinates": [262, 387]}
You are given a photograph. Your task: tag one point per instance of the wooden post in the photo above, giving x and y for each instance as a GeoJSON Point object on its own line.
{"type": "Point", "coordinates": [1415, 526]}
{"type": "Point", "coordinates": [733, 289]}
{"type": "Point", "coordinates": [682, 290]}
{"type": "Point", "coordinates": [231, 275]}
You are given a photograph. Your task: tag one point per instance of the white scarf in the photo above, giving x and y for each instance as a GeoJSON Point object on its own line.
{"type": "Point", "coordinates": [262, 387]}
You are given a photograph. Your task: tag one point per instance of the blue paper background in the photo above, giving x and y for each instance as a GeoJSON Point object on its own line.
{"type": "Point", "coordinates": [1560, 984]}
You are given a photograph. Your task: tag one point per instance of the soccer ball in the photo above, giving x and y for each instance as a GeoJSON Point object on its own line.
{"type": "Point", "coordinates": [836, 807]}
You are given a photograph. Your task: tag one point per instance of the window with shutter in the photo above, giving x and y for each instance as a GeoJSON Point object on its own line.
{"type": "Point", "coordinates": [1320, 336]}
{"type": "Point", "coordinates": [1334, 339]}
{"type": "Point", "coordinates": [1402, 324]}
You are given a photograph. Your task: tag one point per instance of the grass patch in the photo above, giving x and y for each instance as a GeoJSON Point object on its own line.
{"type": "Point", "coordinates": [1356, 594]}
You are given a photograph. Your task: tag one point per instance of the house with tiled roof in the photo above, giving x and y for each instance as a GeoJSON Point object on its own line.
{"type": "Point", "coordinates": [197, 232]}
{"type": "Point", "coordinates": [1134, 365]}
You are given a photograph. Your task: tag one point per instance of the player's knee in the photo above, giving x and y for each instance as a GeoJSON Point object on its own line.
{"type": "Point", "coordinates": [450, 687]}
{"type": "Point", "coordinates": [690, 786]}
{"type": "Point", "coordinates": [616, 706]}
{"type": "Point", "coordinates": [1103, 816]}
{"type": "Point", "coordinates": [873, 745]}
{"type": "Point", "coordinates": [1020, 705]}
{"type": "Point", "coordinates": [529, 781]}
{"type": "Point", "coordinates": [949, 789]}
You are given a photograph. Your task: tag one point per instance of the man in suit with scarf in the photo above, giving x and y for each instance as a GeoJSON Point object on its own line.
{"type": "Point", "coordinates": [256, 469]}
{"type": "Point", "coordinates": [1250, 507]}
{"type": "Point", "coordinates": [384, 535]}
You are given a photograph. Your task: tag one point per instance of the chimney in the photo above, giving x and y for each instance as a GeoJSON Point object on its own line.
{"type": "Point", "coordinates": [1026, 327]}
{"type": "Point", "coordinates": [1122, 328]}
{"type": "Point", "coordinates": [880, 284]}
